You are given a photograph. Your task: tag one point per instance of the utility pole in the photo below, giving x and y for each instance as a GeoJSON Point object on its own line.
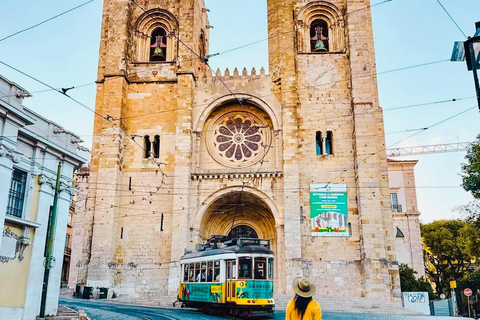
{"type": "Point", "coordinates": [49, 246]}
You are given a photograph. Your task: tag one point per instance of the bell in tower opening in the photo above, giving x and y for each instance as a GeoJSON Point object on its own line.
{"type": "Point", "coordinates": [319, 36]}
{"type": "Point", "coordinates": [157, 46]}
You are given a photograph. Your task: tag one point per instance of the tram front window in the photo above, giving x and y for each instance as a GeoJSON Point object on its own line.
{"type": "Point", "coordinates": [260, 268]}
{"type": "Point", "coordinates": [245, 268]}
{"type": "Point", "coordinates": [270, 268]}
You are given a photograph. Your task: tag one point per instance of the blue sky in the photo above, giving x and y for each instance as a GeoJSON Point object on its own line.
{"type": "Point", "coordinates": [64, 53]}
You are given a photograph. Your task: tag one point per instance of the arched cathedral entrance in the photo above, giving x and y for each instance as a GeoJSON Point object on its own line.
{"type": "Point", "coordinates": [242, 213]}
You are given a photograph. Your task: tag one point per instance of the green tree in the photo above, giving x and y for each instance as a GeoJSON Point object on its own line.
{"type": "Point", "coordinates": [471, 169]}
{"type": "Point", "coordinates": [471, 280]}
{"type": "Point", "coordinates": [450, 247]}
{"type": "Point", "coordinates": [409, 283]}
{"type": "Point", "coordinates": [470, 212]}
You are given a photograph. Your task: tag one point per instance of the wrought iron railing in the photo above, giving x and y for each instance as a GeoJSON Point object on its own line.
{"type": "Point", "coordinates": [396, 208]}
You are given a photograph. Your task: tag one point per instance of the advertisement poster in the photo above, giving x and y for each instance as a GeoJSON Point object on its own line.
{"type": "Point", "coordinates": [254, 290]}
{"type": "Point", "coordinates": [202, 292]}
{"type": "Point", "coordinates": [329, 210]}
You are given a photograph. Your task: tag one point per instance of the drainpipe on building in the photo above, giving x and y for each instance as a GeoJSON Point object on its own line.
{"type": "Point", "coordinates": [49, 246]}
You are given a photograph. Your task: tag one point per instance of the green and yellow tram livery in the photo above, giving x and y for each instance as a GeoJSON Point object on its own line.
{"type": "Point", "coordinates": [235, 277]}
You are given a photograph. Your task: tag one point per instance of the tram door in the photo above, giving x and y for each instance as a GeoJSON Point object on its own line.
{"type": "Point", "coordinates": [230, 282]}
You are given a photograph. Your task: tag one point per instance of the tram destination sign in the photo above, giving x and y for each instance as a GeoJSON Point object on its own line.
{"type": "Point", "coordinates": [329, 210]}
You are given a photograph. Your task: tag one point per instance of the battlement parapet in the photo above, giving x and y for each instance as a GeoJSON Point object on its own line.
{"type": "Point", "coordinates": [228, 75]}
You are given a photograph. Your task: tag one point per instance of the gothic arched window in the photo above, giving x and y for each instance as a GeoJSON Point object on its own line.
{"type": "Point", "coordinates": [320, 28]}
{"type": "Point", "coordinates": [152, 36]}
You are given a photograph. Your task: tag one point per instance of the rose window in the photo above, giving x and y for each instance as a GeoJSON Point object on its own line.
{"type": "Point", "coordinates": [238, 139]}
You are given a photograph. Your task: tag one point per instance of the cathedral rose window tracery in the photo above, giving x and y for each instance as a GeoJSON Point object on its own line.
{"type": "Point", "coordinates": [238, 139]}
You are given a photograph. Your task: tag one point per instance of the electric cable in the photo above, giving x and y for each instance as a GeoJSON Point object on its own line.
{"type": "Point", "coordinates": [44, 21]}
{"type": "Point", "coordinates": [48, 90]}
{"type": "Point", "coordinates": [451, 18]}
{"type": "Point", "coordinates": [106, 118]}
{"type": "Point", "coordinates": [414, 134]}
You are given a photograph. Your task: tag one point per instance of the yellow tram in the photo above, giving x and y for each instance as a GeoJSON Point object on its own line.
{"type": "Point", "coordinates": [234, 276]}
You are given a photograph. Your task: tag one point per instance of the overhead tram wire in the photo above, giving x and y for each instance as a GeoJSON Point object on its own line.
{"type": "Point", "coordinates": [428, 103]}
{"type": "Point", "coordinates": [451, 18]}
{"type": "Point", "coordinates": [48, 90]}
{"type": "Point", "coordinates": [391, 145]}
{"type": "Point", "coordinates": [344, 170]}
{"type": "Point", "coordinates": [106, 118]}
{"type": "Point", "coordinates": [287, 32]}
{"type": "Point", "coordinates": [44, 21]}
{"type": "Point", "coordinates": [240, 100]}
{"type": "Point", "coordinates": [52, 88]}
{"type": "Point", "coordinates": [269, 95]}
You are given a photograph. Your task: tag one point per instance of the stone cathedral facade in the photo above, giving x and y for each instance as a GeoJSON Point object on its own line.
{"type": "Point", "coordinates": [182, 154]}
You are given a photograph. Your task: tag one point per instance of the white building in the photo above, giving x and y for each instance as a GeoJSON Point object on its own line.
{"type": "Point", "coordinates": [31, 148]}
{"type": "Point", "coordinates": [403, 199]}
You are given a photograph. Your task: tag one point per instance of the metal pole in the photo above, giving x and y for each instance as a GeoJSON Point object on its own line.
{"type": "Point", "coordinates": [49, 246]}
{"type": "Point", "coordinates": [468, 303]}
{"type": "Point", "coordinates": [454, 303]}
{"type": "Point", "coordinates": [475, 64]}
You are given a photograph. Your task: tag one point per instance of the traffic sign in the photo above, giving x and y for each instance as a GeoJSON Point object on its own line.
{"type": "Point", "coordinates": [453, 284]}
{"type": "Point", "coordinates": [467, 292]}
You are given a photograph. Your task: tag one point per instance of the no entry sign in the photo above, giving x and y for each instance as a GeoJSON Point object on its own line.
{"type": "Point", "coordinates": [467, 292]}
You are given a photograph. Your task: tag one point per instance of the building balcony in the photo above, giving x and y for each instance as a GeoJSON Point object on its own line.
{"type": "Point", "coordinates": [396, 208]}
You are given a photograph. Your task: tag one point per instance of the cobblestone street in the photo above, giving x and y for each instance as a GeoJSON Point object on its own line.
{"type": "Point", "coordinates": [112, 311]}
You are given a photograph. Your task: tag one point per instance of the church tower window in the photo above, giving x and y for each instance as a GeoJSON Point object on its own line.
{"type": "Point", "coordinates": [318, 143]}
{"type": "Point", "coordinates": [147, 146]}
{"type": "Point", "coordinates": [152, 36]}
{"type": "Point", "coordinates": [329, 143]}
{"type": "Point", "coordinates": [319, 36]}
{"type": "Point", "coordinates": [324, 145]}
{"type": "Point", "coordinates": [320, 28]}
{"type": "Point", "coordinates": [158, 47]}
{"type": "Point", "coordinates": [156, 146]}
{"type": "Point", "coordinates": [202, 51]}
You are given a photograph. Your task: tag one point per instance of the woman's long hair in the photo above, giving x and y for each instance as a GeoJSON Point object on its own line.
{"type": "Point", "coordinates": [301, 304]}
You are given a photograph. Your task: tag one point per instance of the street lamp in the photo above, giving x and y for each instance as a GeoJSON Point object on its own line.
{"type": "Point", "coordinates": [472, 55]}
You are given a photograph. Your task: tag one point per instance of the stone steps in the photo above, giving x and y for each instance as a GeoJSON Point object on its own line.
{"type": "Point", "coordinates": [64, 313]}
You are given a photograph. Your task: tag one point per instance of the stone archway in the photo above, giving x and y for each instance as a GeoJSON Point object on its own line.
{"type": "Point", "coordinates": [239, 208]}
{"type": "Point", "coordinates": [244, 208]}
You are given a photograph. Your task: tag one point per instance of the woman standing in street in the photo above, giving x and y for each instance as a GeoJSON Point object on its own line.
{"type": "Point", "coordinates": [302, 306]}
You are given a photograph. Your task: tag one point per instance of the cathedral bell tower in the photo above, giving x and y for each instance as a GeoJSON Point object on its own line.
{"type": "Point", "coordinates": [322, 64]}
{"type": "Point", "coordinates": [150, 55]}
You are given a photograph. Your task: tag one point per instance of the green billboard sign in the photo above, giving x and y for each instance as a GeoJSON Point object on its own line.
{"type": "Point", "coordinates": [329, 210]}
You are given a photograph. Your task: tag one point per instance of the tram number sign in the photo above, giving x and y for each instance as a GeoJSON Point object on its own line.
{"type": "Point", "coordinates": [467, 292]}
